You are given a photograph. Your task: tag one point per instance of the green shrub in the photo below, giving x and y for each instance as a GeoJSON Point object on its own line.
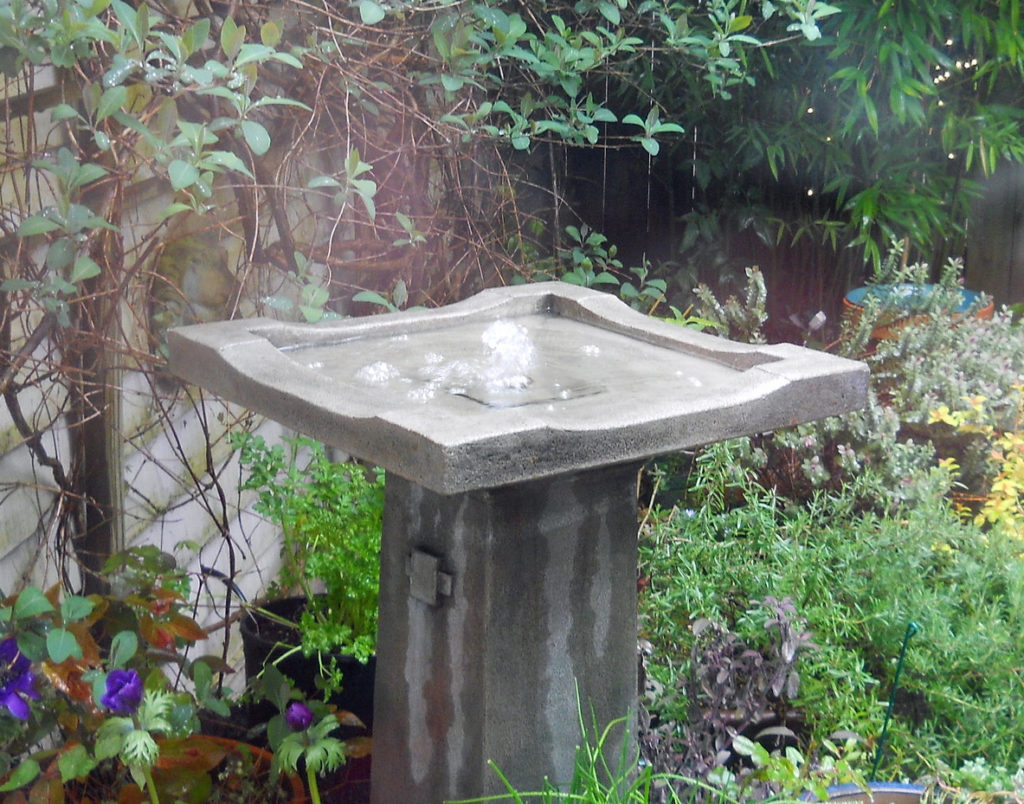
{"type": "Point", "coordinates": [858, 578]}
{"type": "Point", "coordinates": [330, 515]}
{"type": "Point", "coordinates": [888, 454]}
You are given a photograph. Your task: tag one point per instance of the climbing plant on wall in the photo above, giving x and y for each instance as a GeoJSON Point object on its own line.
{"type": "Point", "coordinates": [170, 161]}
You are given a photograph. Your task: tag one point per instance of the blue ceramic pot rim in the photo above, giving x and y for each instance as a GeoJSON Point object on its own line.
{"type": "Point", "coordinates": [841, 791]}
{"type": "Point", "coordinates": [906, 296]}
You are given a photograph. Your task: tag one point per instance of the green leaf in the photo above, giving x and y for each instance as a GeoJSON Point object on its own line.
{"type": "Point", "coordinates": [228, 160]}
{"type": "Point", "coordinates": [281, 303]}
{"type": "Point", "coordinates": [650, 145]}
{"type": "Point", "coordinates": [182, 174]}
{"type": "Point", "coordinates": [83, 268]}
{"type": "Point", "coordinates": [253, 52]}
{"type": "Point", "coordinates": [126, 15]}
{"type": "Point", "coordinates": [610, 11]}
{"type": "Point", "coordinates": [75, 762]}
{"type": "Point", "coordinates": [322, 181]}
{"type": "Point", "coordinates": [451, 83]}
{"type": "Point", "coordinates": [370, 12]}
{"type": "Point", "coordinates": [400, 293]}
{"type": "Point", "coordinates": [60, 254]}
{"type": "Point", "coordinates": [108, 744]}
{"type": "Point", "coordinates": [21, 775]}
{"type": "Point", "coordinates": [63, 112]}
{"type": "Point", "coordinates": [62, 645]}
{"type": "Point", "coordinates": [668, 128]}
{"type": "Point", "coordinates": [36, 225]}
{"type": "Point", "coordinates": [173, 209]}
{"type": "Point", "coordinates": [14, 285]}
{"type": "Point", "coordinates": [31, 603]}
{"type": "Point", "coordinates": [111, 101]}
{"type": "Point", "coordinates": [85, 174]}
{"type": "Point", "coordinates": [372, 297]}
{"type": "Point", "coordinates": [123, 647]}
{"type": "Point", "coordinates": [120, 68]}
{"type": "Point", "coordinates": [287, 58]}
{"type": "Point", "coordinates": [871, 112]}
{"type": "Point", "coordinates": [278, 102]}
{"type": "Point", "coordinates": [196, 36]}
{"type": "Point", "coordinates": [740, 23]}
{"type": "Point", "coordinates": [231, 38]}
{"type": "Point", "coordinates": [256, 136]}
{"type": "Point", "coordinates": [270, 34]}
{"type": "Point", "coordinates": [75, 608]}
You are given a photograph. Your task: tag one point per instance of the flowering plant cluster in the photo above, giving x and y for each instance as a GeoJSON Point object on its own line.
{"type": "Point", "coordinates": [85, 681]}
{"type": "Point", "coordinates": [302, 733]}
{"type": "Point", "coordinates": [1002, 431]}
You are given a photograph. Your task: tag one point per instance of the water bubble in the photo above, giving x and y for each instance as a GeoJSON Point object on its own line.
{"type": "Point", "coordinates": [377, 373]}
{"type": "Point", "coordinates": [511, 356]}
{"type": "Point", "coordinates": [423, 393]}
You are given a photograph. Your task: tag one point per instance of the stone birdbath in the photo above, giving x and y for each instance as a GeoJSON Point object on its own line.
{"type": "Point", "coordinates": [512, 427]}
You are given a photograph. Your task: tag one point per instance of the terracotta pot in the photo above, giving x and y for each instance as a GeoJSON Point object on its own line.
{"type": "Point", "coordinates": [899, 303]}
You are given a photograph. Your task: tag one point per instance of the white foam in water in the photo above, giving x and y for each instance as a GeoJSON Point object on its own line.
{"type": "Point", "coordinates": [511, 356]}
{"type": "Point", "coordinates": [590, 350]}
{"type": "Point", "coordinates": [503, 365]}
{"type": "Point", "coordinates": [378, 373]}
{"type": "Point", "coordinates": [423, 393]}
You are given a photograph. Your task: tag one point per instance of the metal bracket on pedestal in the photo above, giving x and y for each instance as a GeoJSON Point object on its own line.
{"type": "Point", "coordinates": [426, 581]}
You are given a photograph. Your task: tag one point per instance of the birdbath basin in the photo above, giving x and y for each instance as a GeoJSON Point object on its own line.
{"type": "Point", "coordinates": [511, 426]}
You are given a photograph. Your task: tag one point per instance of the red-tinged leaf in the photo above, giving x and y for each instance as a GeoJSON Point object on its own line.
{"type": "Point", "coordinates": [155, 635]}
{"type": "Point", "coordinates": [359, 747]}
{"type": "Point", "coordinates": [194, 753]}
{"type": "Point", "coordinates": [215, 663]}
{"type": "Point", "coordinates": [346, 718]}
{"type": "Point", "coordinates": [186, 628]}
{"type": "Point", "coordinates": [90, 650]}
{"type": "Point", "coordinates": [47, 791]}
{"type": "Point", "coordinates": [66, 677]}
{"type": "Point", "coordinates": [161, 607]}
{"type": "Point", "coordinates": [163, 592]}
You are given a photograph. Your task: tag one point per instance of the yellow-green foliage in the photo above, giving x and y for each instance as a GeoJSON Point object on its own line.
{"type": "Point", "coordinates": [1003, 507]}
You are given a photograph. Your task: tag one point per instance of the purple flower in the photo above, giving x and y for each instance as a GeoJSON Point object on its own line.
{"type": "Point", "coordinates": [16, 680]}
{"type": "Point", "coordinates": [298, 716]}
{"type": "Point", "coordinates": [124, 692]}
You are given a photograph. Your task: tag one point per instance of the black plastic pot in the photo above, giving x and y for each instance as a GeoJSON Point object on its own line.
{"type": "Point", "coordinates": [265, 640]}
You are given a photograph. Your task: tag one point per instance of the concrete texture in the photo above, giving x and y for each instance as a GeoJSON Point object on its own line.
{"type": "Point", "coordinates": [542, 603]}
{"type": "Point", "coordinates": [599, 383]}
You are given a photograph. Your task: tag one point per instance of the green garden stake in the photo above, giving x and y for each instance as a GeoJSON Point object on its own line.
{"type": "Point", "coordinates": [912, 628]}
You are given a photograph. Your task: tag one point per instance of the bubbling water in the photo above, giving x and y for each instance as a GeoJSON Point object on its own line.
{"type": "Point", "coordinates": [510, 358]}
{"type": "Point", "coordinates": [502, 364]}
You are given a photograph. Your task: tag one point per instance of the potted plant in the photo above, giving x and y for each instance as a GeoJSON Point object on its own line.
{"type": "Point", "coordinates": [899, 294]}
{"type": "Point", "coordinates": [93, 704]}
{"type": "Point", "coordinates": [330, 517]}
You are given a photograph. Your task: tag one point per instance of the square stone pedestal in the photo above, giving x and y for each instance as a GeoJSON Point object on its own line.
{"type": "Point", "coordinates": [496, 606]}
